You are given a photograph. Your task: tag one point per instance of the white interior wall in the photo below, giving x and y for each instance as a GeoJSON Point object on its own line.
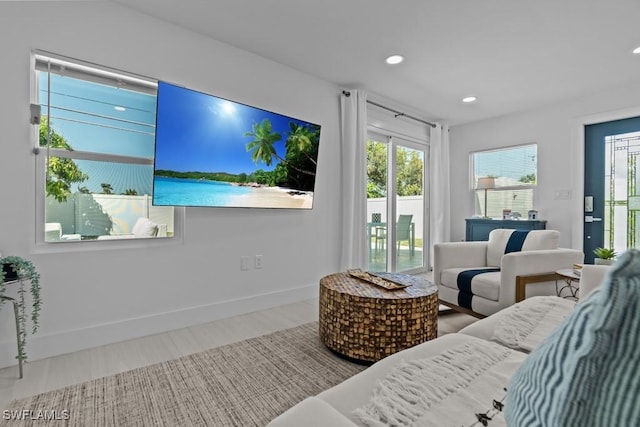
{"type": "Point", "coordinates": [100, 296]}
{"type": "Point", "coordinates": [558, 132]}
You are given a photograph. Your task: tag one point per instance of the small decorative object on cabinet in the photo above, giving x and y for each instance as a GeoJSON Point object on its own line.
{"type": "Point", "coordinates": [16, 270]}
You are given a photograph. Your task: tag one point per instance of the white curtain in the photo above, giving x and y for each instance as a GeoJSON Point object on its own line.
{"type": "Point", "coordinates": [353, 136]}
{"type": "Point", "coordinates": [440, 215]}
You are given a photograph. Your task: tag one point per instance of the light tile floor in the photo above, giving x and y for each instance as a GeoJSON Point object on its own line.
{"type": "Point", "coordinates": [60, 371]}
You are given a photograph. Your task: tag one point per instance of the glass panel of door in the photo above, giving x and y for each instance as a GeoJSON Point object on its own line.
{"type": "Point", "coordinates": [377, 166]}
{"type": "Point", "coordinates": [395, 167]}
{"type": "Point", "coordinates": [409, 186]}
{"type": "Point", "coordinates": [622, 192]}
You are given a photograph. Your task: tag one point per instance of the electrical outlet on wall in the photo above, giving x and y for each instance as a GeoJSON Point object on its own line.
{"type": "Point", "coordinates": [258, 261]}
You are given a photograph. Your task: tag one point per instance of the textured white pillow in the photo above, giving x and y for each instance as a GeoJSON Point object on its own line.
{"type": "Point", "coordinates": [536, 240]}
{"type": "Point", "coordinates": [144, 227]}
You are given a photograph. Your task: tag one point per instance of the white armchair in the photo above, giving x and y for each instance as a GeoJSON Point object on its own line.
{"type": "Point", "coordinates": [507, 254]}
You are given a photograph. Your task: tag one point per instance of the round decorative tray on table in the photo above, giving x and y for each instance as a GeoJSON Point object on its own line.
{"type": "Point", "coordinates": [366, 322]}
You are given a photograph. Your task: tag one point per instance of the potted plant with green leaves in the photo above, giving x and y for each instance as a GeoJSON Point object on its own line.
{"type": "Point", "coordinates": [604, 256]}
{"type": "Point", "coordinates": [21, 271]}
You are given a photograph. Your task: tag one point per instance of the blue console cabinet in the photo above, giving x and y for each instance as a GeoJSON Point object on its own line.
{"type": "Point", "coordinates": [479, 228]}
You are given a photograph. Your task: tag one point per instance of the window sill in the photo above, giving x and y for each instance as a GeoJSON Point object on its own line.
{"type": "Point", "coordinates": [104, 245]}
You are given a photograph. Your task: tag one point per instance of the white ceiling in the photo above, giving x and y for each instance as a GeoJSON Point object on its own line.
{"type": "Point", "coordinates": [513, 55]}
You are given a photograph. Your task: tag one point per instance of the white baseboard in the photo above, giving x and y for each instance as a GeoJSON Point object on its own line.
{"type": "Point", "coordinates": [42, 346]}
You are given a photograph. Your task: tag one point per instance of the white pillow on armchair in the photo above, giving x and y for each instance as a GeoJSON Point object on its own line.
{"type": "Point", "coordinates": [144, 227]}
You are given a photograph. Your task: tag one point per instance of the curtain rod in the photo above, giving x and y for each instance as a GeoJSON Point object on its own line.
{"type": "Point", "coordinates": [397, 113]}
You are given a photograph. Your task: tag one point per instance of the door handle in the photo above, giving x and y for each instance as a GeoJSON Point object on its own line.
{"type": "Point", "coordinates": [589, 218]}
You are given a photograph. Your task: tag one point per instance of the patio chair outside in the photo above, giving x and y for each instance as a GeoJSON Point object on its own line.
{"type": "Point", "coordinates": [403, 232]}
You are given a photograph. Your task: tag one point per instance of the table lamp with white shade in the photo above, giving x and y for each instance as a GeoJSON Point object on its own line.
{"type": "Point", "coordinates": [485, 184]}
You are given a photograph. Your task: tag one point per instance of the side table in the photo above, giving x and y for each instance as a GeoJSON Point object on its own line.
{"type": "Point", "coordinates": [569, 282]}
{"type": "Point", "coordinates": [366, 322]}
{"type": "Point", "coordinates": [17, 317]}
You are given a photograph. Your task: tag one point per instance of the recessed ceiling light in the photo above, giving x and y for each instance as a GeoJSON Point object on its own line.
{"type": "Point", "coordinates": [469, 99]}
{"type": "Point", "coordinates": [119, 108]}
{"type": "Point", "coordinates": [637, 50]}
{"type": "Point", "coordinates": [395, 59]}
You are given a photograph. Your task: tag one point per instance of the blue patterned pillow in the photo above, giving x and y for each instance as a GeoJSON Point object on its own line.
{"type": "Point", "coordinates": [587, 372]}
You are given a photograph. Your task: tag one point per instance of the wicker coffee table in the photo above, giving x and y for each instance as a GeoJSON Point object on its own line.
{"type": "Point", "coordinates": [366, 322]}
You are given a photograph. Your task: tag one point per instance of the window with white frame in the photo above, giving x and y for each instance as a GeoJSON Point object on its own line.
{"type": "Point", "coordinates": [505, 178]}
{"type": "Point", "coordinates": [97, 134]}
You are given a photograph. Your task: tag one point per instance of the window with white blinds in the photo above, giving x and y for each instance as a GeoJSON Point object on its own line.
{"type": "Point", "coordinates": [97, 132]}
{"type": "Point", "coordinates": [515, 174]}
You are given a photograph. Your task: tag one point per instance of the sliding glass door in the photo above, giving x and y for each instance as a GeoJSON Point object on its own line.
{"type": "Point", "coordinates": [396, 167]}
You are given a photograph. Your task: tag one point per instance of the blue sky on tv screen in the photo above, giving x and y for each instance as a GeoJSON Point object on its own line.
{"type": "Point", "coordinates": [200, 132]}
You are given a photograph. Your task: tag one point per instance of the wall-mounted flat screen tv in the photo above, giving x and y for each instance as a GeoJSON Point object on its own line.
{"type": "Point", "coordinates": [214, 152]}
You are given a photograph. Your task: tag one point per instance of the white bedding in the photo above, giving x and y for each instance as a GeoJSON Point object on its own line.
{"type": "Point", "coordinates": [525, 325]}
{"type": "Point", "coordinates": [448, 389]}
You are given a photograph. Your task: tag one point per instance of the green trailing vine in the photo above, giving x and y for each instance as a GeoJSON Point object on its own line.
{"type": "Point", "coordinates": [26, 271]}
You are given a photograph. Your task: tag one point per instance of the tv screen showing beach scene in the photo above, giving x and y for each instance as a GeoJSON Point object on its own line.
{"type": "Point", "coordinates": [213, 152]}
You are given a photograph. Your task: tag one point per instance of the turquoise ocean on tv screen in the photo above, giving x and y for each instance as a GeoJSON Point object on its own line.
{"type": "Point", "coordinates": [190, 192]}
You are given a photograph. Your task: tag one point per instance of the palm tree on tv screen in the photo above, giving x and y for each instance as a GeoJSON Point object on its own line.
{"type": "Point", "coordinates": [262, 145]}
{"type": "Point", "coordinates": [301, 140]}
